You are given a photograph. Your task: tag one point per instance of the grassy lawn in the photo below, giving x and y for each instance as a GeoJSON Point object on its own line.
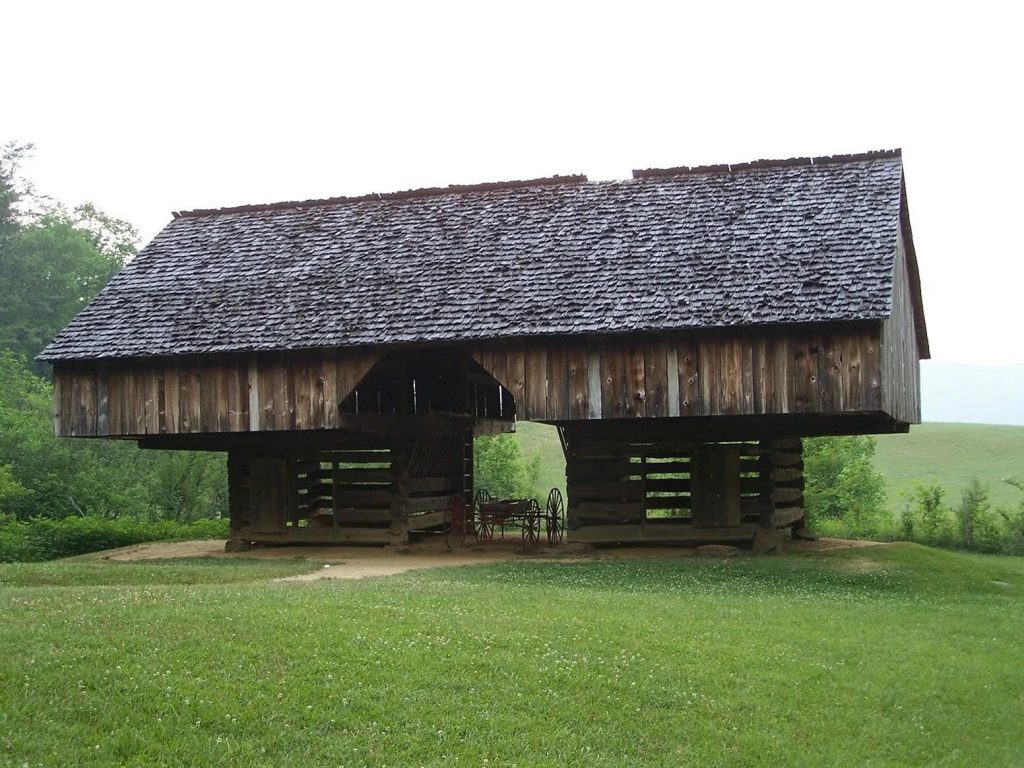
{"type": "Point", "coordinates": [893, 655]}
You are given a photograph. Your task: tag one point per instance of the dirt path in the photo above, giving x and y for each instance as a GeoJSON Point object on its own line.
{"type": "Point", "coordinates": [367, 562]}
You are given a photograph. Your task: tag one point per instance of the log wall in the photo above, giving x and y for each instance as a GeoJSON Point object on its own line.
{"type": "Point", "coordinates": [362, 489]}
{"type": "Point", "coordinates": [626, 491]}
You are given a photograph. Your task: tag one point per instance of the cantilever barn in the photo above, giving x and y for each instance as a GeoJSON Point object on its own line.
{"type": "Point", "coordinates": [682, 329]}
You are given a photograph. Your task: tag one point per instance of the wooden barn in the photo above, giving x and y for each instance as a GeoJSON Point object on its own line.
{"type": "Point", "coordinates": [682, 329]}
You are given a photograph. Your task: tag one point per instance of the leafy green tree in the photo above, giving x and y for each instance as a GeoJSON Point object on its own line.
{"type": "Point", "coordinates": [500, 467]}
{"type": "Point", "coordinates": [842, 483]}
{"type": "Point", "coordinates": [53, 260]}
{"type": "Point", "coordinates": [12, 492]}
{"type": "Point", "coordinates": [13, 189]}
{"type": "Point", "coordinates": [57, 478]}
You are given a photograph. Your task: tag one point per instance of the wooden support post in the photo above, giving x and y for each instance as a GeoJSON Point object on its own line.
{"type": "Point", "coordinates": [715, 490]}
{"type": "Point", "coordinates": [268, 486]}
{"type": "Point", "coordinates": [768, 470]}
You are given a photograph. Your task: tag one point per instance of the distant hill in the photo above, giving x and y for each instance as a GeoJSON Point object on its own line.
{"type": "Point", "coordinates": [950, 455]}
{"type": "Point", "coordinates": [946, 454]}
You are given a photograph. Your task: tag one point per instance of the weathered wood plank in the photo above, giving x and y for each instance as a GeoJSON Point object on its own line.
{"type": "Point", "coordinates": [872, 374]}
{"type": "Point", "coordinates": [302, 370]}
{"type": "Point", "coordinates": [716, 487]}
{"type": "Point", "coordinates": [656, 379]}
{"type": "Point", "coordinates": [252, 390]}
{"type": "Point", "coordinates": [237, 397]}
{"type": "Point", "coordinates": [60, 380]}
{"type": "Point", "coordinates": [578, 406]}
{"type": "Point", "coordinates": [284, 413]}
{"type": "Point", "coordinates": [672, 395]}
{"type": "Point", "coordinates": [609, 489]}
{"type": "Point", "coordinates": [209, 386]}
{"type": "Point", "coordinates": [780, 397]}
{"type": "Point", "coordinates": [805, 366]}
{"type": "Point", "coordinates": [615, 386]}
{"type": "Point", "coordinates": [635, 381]}
{"type": "Point", "coordinates": [515, 370]}
{"type": "Point", "coordinates": [267, 397]}
{"type": "Point", "coordinates": [558, 383]}
{"type": "Point", "coordinates": [784, 516]}
{"type": "Point", "coordinates": [102, 399]}
{"type": "Point", "coordinates": [172, 400]}
{"type": "Point", "coordinates": [785, 496]}
{"type": "Point", "coordinates": [595, 385]}
{"type": "Point", "coordinates": [268, 484]}
{"type": "Point", "coordinates": [689, 378]}
{"type": "Point", "coordinates": [830, 370]}
{"type": "Point", "coordinates": [154, 387]}
{"type": "Point", "coordinates": [536, 399]}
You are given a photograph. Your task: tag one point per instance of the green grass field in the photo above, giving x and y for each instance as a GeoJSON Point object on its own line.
{"type": "Point", "coordinates": [950, 455]}
{"type": "Point", "coordinates": [946, 454]}
{"type": "Point", "coordinates": [894, 655]}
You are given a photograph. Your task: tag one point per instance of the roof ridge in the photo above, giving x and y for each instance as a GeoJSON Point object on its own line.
{"type": "Point", "coordinates": [655, 173]}
{"type": "Point", "coordinates": [408, 194]}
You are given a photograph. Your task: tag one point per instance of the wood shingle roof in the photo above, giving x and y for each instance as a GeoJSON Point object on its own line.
{"type": "Point", "coordinates": [799, 241]}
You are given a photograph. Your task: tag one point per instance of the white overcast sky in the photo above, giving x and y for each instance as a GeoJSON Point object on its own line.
{"type": "Point", "coordinates": [145, 108]}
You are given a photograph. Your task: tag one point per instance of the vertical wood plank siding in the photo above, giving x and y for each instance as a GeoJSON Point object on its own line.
{"type": "Point", "coordinates": [819, 371]}
{"type": "Point", "coordinates": [900, 372]}
{"type": "Point", "coordinates": [868, 368]}
{"type": "Point", "coordinates": [196, 395]}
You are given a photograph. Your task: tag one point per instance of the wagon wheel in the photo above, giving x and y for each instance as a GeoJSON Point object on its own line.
{"type": "Point", "coordinates": [483, 528]}
{"type": "Point", "coordinates": [531, 525]}
{"type": "Point", "coordinates": [555, 519]}
{"type": "Point", "coordinates": [457, 522]}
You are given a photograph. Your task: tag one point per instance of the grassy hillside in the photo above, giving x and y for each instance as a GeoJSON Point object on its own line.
{"type": "Point", "coordinates": [947, 454]}
{"type": "Point", "coordinates": [895, 655]}
{"type": "Point", "coordinates": [542, 440]}
{"type": "Point", "coordinates": [950, 455]}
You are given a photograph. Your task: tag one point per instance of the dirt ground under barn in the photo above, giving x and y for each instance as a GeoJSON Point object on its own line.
{"type": "Point", "coordinates": [346, 562]}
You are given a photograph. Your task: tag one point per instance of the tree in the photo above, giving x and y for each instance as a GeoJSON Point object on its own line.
{"type": "Point", "coordinates": [12, 189]}
{"type": "Point", "coordinates": [53, 260]}
{"type": "Point", "coordinates": [500, 467]}
{"type": "Point", "coordinates": [45, 476]}
{"type": "Point", "coordinates": [842, 483]}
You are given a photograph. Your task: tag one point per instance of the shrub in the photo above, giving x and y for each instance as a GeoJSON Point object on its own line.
{"type": "Point", "coordinates": [978, 526]}
{"type": "Point", "coordinates": [46, 539]}
{"type": "Point", "coordinates": [1013, 522]}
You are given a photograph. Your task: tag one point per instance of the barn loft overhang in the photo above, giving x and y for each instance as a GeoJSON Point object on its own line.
{"type": "Point", "coordinates": [346, 351]}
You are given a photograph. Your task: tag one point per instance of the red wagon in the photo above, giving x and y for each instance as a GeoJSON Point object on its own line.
{"type": "Point", "coordinates": [489, 514]}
